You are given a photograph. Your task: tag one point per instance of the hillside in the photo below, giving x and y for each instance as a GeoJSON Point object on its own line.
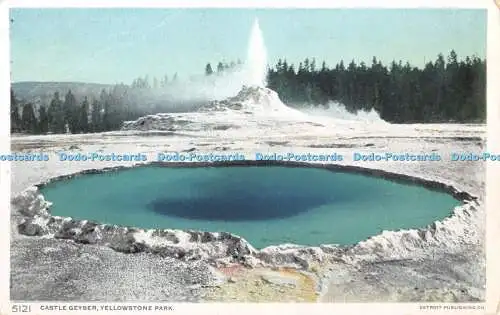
{"type": "Point", "coordinates": [43, 91]}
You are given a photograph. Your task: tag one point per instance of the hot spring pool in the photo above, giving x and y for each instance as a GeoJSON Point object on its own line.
{"type": "Point", "coordinates": [267, 205]}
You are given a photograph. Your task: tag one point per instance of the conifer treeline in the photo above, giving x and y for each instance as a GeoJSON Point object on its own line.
{"type": "Point", "coordinates": [65, 114]}
{"type": "Point", "coordinates": [443, 91]}
{"type": "Point", "coordinates": [222, 67]}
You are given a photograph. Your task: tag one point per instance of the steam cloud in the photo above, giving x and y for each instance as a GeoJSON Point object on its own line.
{"type": "Point", "coordinates": [196, 90]}
{"type": "Point", "coordinates": [186, 95]}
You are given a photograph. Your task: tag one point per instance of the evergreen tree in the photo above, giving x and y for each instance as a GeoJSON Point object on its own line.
{"type": "Point", "coordinates": [29, 121]}
{"type": "Point", "coordinates": [107, 115]}
{"type": "Point", "coordinates": [165, 80]}
{"type": "Point", "coordinates": [56, 115]}
{"type": "Point", "coordinates": [146, 82]}
{"type": "Point", "coordinates": [83, 121]}
{"type": "Point", "coordinates": [208, 69]}
{"type": "Point", "coordinates": [220, 67]}
{"type": "Point", "coordinates": [15, 118]}
{"type": "Point", "coordinates": [446, 89]}
{"type": "Point", "coordinates": [71, 112]}
{"type": "Point", "coordinates": [43, 120]}
{"type": "Point", "coordinates": [96, 116]}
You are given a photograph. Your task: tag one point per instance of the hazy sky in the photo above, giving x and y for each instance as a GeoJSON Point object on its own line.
{"type": "Point", "coordinates": [117, 45]}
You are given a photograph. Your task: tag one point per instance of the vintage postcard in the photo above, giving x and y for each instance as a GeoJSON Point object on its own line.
{"type": "Point", "coordinates": [159, 158]}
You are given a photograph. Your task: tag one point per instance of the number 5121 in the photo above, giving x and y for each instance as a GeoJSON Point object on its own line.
{"type": "Point", "coordinates": [21, 308]}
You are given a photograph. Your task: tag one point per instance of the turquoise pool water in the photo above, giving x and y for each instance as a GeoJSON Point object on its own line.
{"type": "Point", "coordinates": [266, 205]}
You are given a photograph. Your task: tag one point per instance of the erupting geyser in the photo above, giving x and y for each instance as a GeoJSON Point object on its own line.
{"type": "Point", "coordinates": [256, 63]}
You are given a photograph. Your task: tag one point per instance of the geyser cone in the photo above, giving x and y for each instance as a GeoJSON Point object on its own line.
{"type": "Point", "coordinates": [256, 63]}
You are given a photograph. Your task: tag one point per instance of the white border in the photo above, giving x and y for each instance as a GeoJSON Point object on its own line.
{"type": "Point", "coordinates": [255, 3]}
{"type": "Point", "coordinates": [493, 175]}
{"type": "Point", "coordinates": [493, 169]}
{"type": "Point", "coordinates": [4, 147]}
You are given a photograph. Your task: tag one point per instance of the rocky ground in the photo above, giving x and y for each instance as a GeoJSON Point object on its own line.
{"type": "Point", "coordinates": [449, 265]}
{"type": "Point", "coordinates": [67, 260]}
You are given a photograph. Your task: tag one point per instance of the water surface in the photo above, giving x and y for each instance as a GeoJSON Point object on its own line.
{"type": "Point", "coordinates": [266, 205]}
